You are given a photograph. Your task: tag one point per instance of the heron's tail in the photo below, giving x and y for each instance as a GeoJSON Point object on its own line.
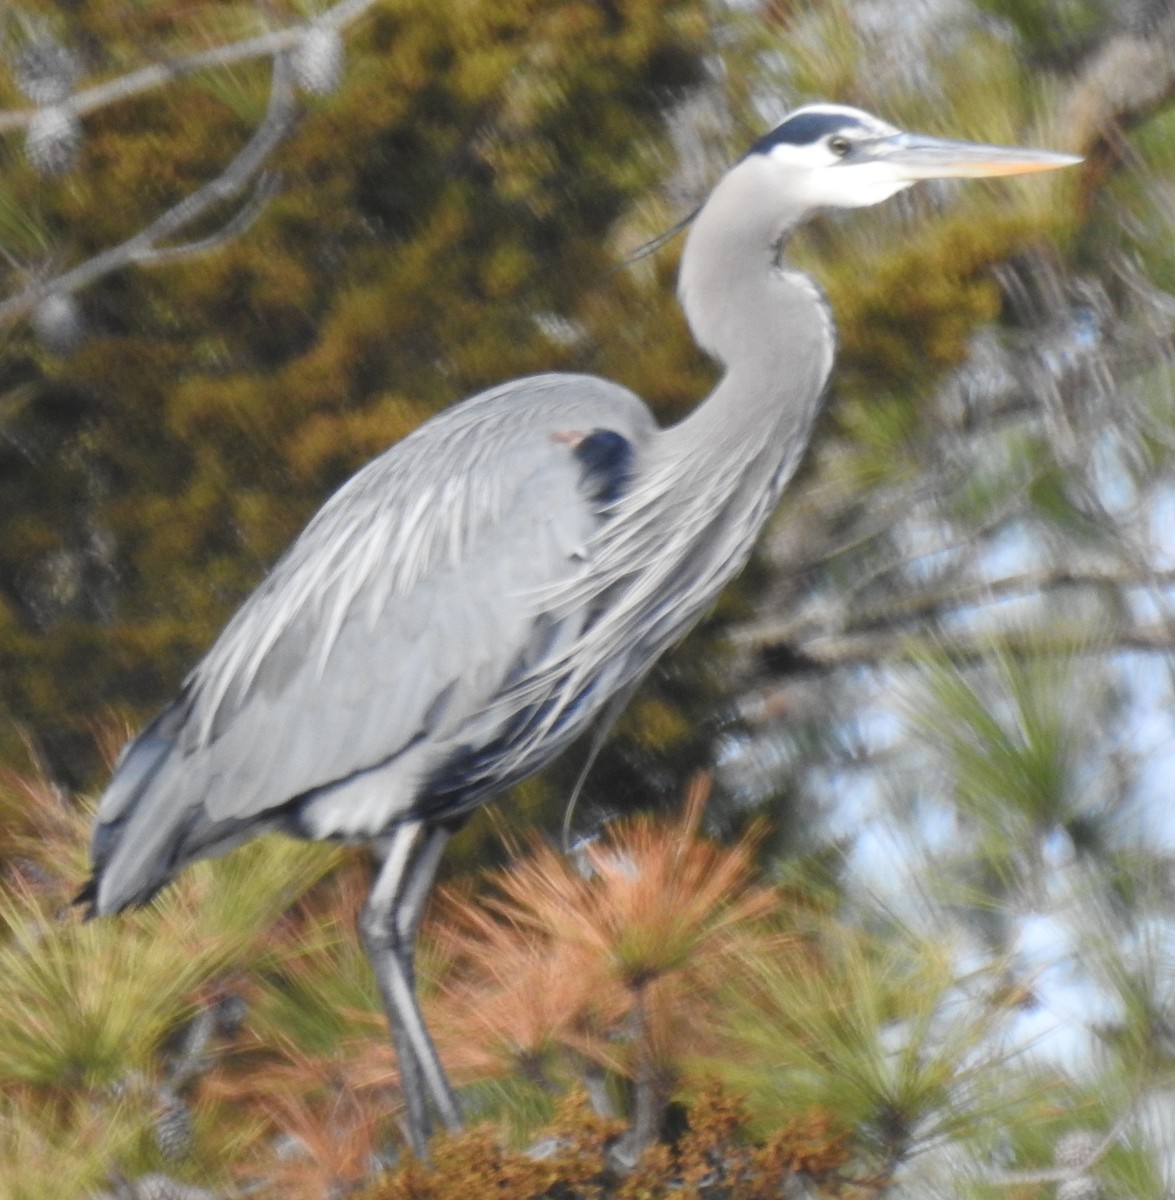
{"type": "Point", "coordinates": [139, 767]}
{"type": "Point", "coordinates": [152, 820]}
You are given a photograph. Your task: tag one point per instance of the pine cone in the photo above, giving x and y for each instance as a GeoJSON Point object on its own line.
{"type": "Point", "coordinates": [45, 72]}
{"type": "Point", "coordinates": [1074, 1151]}
{"type": "Point", "coordinates": [163, 1187]}
{"type": "Point", "coordinates": [53, 139]}
{"type": "Point", "coordinates": [1085, 1188]}
{"type": "Point", "coordinates": [1075, 1148]}
{"type": "Point", "coordinates": [317, 61]}
{"type": "Point", "coordinates": [173, 1129]}
{"type": "Point", "coordinates": [57, 323]}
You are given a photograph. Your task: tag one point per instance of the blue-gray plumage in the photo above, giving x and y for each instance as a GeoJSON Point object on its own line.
{"type": "Point", "coordinates": [474, 598]}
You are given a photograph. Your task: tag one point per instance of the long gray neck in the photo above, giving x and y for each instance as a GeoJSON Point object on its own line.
{"type": "Point", "coordinates": [706, 485]}
{"type": "Point", "coordinates": [769, 327]}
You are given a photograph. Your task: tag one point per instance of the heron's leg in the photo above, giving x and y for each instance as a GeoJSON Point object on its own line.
{"type": "Point", "coordinates": [388, 924]}
{"type": "Point", "coordinates": [418, 890]}
{"type": "Point", "coordinates": [377, 928]}
{"type": "Point", "coordinates": [414, 899]}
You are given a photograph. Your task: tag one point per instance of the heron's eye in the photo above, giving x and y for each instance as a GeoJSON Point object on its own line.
{"type": "Point", "coordinates": [839, 145]}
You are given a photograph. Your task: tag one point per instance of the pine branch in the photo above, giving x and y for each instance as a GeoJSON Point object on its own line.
{"type": "Point", "coordinates": [1069, 1171]}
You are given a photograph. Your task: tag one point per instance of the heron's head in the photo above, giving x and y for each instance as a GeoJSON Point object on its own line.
{"type": "Point", "coordinates": [820, 156]}
{"type": "Point", "coordinates": [831, 156]}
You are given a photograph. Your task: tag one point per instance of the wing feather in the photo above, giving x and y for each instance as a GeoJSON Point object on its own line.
{"type": "Point", "coordinates": [397, 616]}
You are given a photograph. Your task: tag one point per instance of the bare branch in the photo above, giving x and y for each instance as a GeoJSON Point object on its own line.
{"type": "Point", "coordinates": [148, 247]}
{"type": "Point", "coordinates": [237, 224]}
{"type": "Point", "coordinates": [901, 610]}
{"type": "Point", "coordinates": [265, 45]}
{"type": "Point", "coordinates": [917, 607]}
{"type": "Point", "coordinates": [836, 652]}
{"type": "Point", "coordinates": [144, 246]}
{"type": "Point", "coordinates": [1123, 81]}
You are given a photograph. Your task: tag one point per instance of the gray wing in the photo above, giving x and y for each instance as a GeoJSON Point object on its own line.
{"type": "Point", "coordinates": [378, 644]}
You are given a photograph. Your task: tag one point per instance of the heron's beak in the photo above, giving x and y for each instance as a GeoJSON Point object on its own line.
{"type": "Point", "coordinates": [913, 157]}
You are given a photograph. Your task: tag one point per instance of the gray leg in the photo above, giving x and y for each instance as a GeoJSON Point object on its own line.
{"type": "Point", "coordinates": [414, 893]}
{"type": "Point", "coordinates": [419, 886]}
{"type": "Point", "coordinates": [389, 923]}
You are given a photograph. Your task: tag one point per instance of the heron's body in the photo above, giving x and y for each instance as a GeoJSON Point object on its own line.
{"type": "Point", "coordinates": [397, 676]}
{"type": "Point", "coordinates": [469, 602]}
{"type": "Point", "coordinates": [466, 604]}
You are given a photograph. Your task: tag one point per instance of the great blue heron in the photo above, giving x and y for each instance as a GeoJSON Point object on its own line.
{"type": "Point", "coordinates": [474, 598]}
